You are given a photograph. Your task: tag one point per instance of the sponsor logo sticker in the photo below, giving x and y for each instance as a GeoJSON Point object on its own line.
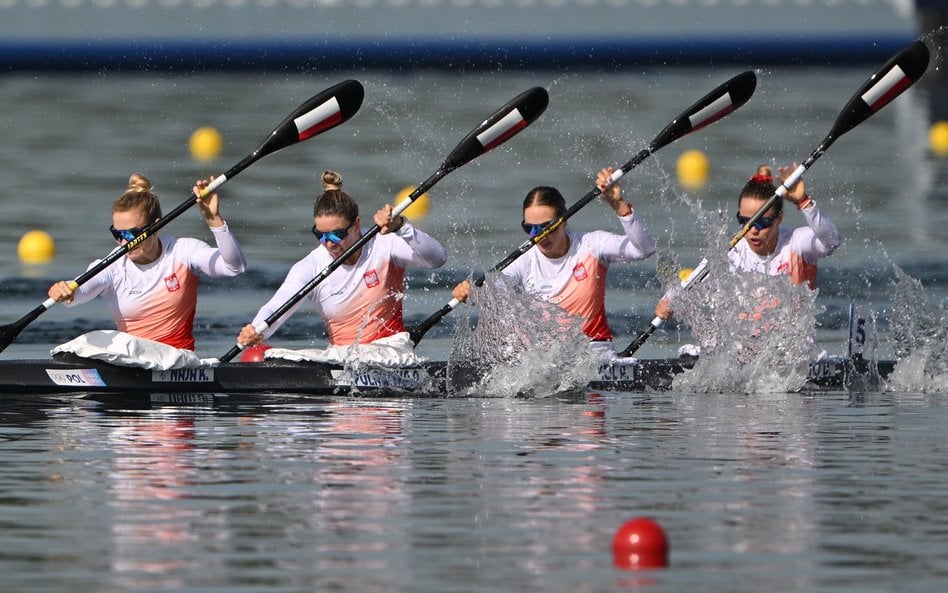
{"type": "Point", "coordinates": [73, 377]}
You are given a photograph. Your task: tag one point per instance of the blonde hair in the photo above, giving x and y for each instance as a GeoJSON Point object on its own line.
{"type": "Point", "coordinates": [139, 196]}
{"type": "Point", "coordinates": [333, 201]}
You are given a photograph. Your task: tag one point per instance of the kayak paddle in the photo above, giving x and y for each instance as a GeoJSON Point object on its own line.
{"type": "Point", "coordinates": [502, 125]}
{"type": "Point", "coordinates": [710, 108]}
{"type": "Point", "coordinates": [890, 81]}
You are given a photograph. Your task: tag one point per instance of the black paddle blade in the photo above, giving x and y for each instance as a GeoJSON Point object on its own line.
{"type": "Point", "coordinates": [899, 73]}
{"type": "Point", "coordinates": [9, 332]}
{"type": "Point", "coordinates": [504, 124]}
{"type": "Point", "coordinates": [322, 112]}
{"type": "Point", "coordinates": [717, 104]}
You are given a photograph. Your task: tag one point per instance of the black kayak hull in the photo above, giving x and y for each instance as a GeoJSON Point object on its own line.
{"type": "Point", "coordinates": [71, 374]}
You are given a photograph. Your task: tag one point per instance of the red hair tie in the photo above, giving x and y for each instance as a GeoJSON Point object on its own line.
{"type": "Point", "coordinates": [763, 179]}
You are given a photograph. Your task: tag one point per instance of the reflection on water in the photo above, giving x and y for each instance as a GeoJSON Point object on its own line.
{"type": "Point", "coordinates": [803, 492]}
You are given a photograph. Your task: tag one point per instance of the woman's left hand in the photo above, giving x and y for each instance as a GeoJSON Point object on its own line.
{"type": "Point", "coordinates": [797, 192]}
{"type": "Point", "coordinates": [210, 208]}
{"type": "Point", "coordinates": [385, 221]}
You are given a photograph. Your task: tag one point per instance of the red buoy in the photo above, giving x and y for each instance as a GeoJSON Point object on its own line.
{"type": "Point", "coordinates": [254, 353]}
{"type": "Point", "coordinates": [640, 543]}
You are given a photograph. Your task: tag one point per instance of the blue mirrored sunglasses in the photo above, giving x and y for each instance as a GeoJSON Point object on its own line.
{"type": "Point", "coordinates": [125, 234]}
{"type": "Point", "coordinates": [337, 236]}
{"type": "Point", "coordinates": [760, 224]}
{"type": "Point", "coordinates": [535, 229]}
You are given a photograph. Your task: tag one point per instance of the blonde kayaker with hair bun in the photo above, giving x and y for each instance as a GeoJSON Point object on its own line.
{"type": "Point", "coordinates": [361, 301]}
{"type": "Point", "coordinates": [151, 292]}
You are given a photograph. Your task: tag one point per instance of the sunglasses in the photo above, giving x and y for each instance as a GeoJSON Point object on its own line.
{"type": "Point", "coordinates": [762, 223]}
{"type": "Point", "coordinates": [125, 234]}
{"type": "Point", "coordinates": [337, 236]}
{"type": "Point", "coordinates": [535, 229]}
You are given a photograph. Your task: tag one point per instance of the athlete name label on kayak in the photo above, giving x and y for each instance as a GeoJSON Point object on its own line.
{"type": "Point", "coordinates": [72, 377]}
{"type": "Point", "coordinates": [201, 375]}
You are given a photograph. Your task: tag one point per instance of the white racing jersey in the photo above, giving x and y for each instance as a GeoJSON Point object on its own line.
{"type": "Point", "coordinates": [157, 301]}
{"type": "Point", "coordinates": [360, 303]}
{"type": "Point", "coordinates": [577, 281]}
{"type": "Point", "coordinates": [797, 249]}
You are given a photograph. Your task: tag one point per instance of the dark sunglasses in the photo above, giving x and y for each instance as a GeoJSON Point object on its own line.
{"type": "Point", "coordinates": [337, 236]}
{"type": "Point", "coordinates": [535, 229]}
{"type": "Point", "coordinates": [125, 234]}
{"type": "Point", "coordinates": [760, 224]}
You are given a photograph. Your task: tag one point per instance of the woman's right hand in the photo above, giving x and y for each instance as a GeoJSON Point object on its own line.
{"type": "Point", "coordinates": [249, 336]}
{"type": "Point", "coordinates": [63, 290]}
{"type": "Point", "coordinates": [462, 291]}
{"type": "Point", "coordinates": [663, 310]}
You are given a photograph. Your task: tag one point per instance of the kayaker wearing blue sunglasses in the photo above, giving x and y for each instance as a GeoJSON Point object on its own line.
{"type": "Point", "coordinates": [769, 249]}
{"type": "Point", "coordinates": [151, 292]}
{"type": "Point", "coordinates": [568, 268]}
{"type": "Point", "coordinates": [361, 301]}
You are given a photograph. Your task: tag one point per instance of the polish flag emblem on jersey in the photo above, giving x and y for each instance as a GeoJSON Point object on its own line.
{"type": "Point", "coordinates": [579, 272]}
{"type": "Point", "coordinates": [371, 278]}
{"type": "Point", "coordinates": [171, 283]}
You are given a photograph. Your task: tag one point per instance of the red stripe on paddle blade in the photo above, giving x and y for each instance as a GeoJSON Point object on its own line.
{"type": "Point", "coordinates": [712, 113]}
{"type": "Point", "coordinates": [720, 102]}
{"type": "Point", "coordinates": [890, 81]}
{"type": "Point", "coordinates": [321, 112]}
{"type": "Point", "coordinates": [889, 87]}
{"type": "Point", "coordinates": [326, 116]}
{"type": "Point", "coordinates": [502, 131]}
{"type": "Point", "coordinates": [502, 125]}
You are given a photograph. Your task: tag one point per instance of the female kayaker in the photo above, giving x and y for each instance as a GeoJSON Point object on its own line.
{"type": "Point", "coordinates": [569, 268]}
{"type": "Point", "coordinates": [361, 301]}
{"type": "Point", "coordinates": [151, 292]}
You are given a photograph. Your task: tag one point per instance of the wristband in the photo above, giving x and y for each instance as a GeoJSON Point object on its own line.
{"type": "Point", "coordinates": [805, 202]}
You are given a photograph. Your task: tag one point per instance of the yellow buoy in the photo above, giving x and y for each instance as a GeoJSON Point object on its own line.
{"type": "Point", "coordinates": [419, 207]}
{"type": "Point", "coordinates": [205, 144]}
{"type": "Point", "coordinates": [938, 138]}
{"type": "Point", "coordinates": [36, 247]}
{"type": "Point", "coordinates": [684, 273]}
{"type": "Point", "coordinates": [693, 168]}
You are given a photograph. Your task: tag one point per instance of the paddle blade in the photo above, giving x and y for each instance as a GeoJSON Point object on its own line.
{"type": "Point", "coordinates": [717, 104]}
{"type": "Point", "coordinates": [898, 74]}
{"type": "Point", "coordinates": [504, 124]}
{"type": "Point", "coordinates": [322, 112]}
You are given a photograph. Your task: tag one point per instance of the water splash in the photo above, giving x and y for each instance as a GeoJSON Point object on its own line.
{"type": "Point", "coordinates": [520, 346]}
{"type": "Point", "coordinates": [919, 336]}
{"type": "Point", "coordinates": [756, 332]}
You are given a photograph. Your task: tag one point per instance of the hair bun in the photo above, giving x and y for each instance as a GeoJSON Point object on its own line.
{"type": "Point", "coordinates": [138, 182]}
{"type": "Point", "coordinates": [331, 180]}
{"type": "Point", "coordinates": [763, 179]}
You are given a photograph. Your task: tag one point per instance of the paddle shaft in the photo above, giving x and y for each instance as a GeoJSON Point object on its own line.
{"type": "Point", "coordinates": [718, 103]}
{"type": "Point", "coordinates": [887, 83]}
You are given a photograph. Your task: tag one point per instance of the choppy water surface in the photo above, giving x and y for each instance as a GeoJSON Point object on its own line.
{"type": "Point", "coordinates": [835, 492]}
